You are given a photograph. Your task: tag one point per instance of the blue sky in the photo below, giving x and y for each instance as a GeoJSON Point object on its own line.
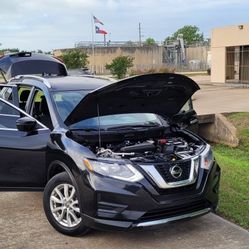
{"type": "Point", "coordinates": [51, 24]}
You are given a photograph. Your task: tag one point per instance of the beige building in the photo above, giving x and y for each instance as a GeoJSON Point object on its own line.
{"type": "Point", "coordinates": [230, 54]}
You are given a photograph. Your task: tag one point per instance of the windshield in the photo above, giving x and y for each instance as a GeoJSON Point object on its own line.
{"type": "Point", "coordinates": [67, 101]}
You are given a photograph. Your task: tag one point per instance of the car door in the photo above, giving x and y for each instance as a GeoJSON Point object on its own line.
{"type": "Point", "coordinates": [22, 154]}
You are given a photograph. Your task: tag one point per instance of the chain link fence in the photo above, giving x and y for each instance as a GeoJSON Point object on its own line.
{"type": "Point", "coordinates": [194, 59]}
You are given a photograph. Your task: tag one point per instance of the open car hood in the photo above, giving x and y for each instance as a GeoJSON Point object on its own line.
{"type": "Point", "coordinates": [30, 63]}
{"type": "Point", "coordinates": [163, 94]}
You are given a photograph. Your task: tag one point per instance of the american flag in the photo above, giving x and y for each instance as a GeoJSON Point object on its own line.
{"type": "Point", "coordinates": [96, 20]}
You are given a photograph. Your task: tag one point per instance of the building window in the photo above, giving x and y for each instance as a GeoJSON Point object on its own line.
{"type": "Point", "coordinates": [237, 64]}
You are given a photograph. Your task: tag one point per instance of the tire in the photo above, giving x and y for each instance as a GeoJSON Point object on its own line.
{"type": "Point", "coordinates": [61, 206]}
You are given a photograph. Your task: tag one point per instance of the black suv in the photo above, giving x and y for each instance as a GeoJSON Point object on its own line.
{"type": "Point", "coordinates": [107, 155]}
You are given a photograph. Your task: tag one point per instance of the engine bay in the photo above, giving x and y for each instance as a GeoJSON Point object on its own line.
{"type": "Point", "coordinates": [163, 149]}
{"type": "Point", "coordinates": [148, 145]}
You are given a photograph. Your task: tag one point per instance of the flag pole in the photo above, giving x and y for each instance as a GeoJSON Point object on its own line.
{"type": "Point", "coordinates": [93, 52]}
{"type": "Point", "coordinates": [104, 40]}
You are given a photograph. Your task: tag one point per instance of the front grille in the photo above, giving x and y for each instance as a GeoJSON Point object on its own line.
{"type": "Point", "coordinates": [175, 211]}
{"type": "Point", "coordinates": [182, 190]}
{"type": "Point", "coordinates": [164, 170]}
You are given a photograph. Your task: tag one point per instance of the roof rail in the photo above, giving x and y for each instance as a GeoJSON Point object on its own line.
{"type": "Point", "coordinates": [20, 77]}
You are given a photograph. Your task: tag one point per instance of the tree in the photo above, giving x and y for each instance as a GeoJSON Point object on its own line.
{"type": "Point", "coordinates": [191, 34]}
{"type": "Point", "coordinates": [74, 59]}
{"type": "Point", "coordinates": [10, 50]}
{"type": "Point", "coordinates": [150, 42]}
{"type": "Point", "coordinates": [120, 65]}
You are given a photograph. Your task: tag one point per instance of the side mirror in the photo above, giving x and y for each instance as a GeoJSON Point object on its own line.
{"type": "Point", "coordinates": [26, 124]}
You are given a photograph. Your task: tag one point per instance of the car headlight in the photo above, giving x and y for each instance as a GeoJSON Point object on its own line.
{"type": "Point", "coordinates": [207, 158]}
{"type": "Point", "coordinates": [124, 172]}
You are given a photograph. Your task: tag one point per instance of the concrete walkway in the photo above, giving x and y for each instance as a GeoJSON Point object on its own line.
{"type": "Point", "coordinates": [219, 98]}
{"type": "Point", "coordinates": [24, 226]}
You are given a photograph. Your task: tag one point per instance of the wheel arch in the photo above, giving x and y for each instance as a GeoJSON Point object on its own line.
{"type": "Point", "coordinates": [58, 166]}
{"type": "Point", "coordinates": [60, 162]}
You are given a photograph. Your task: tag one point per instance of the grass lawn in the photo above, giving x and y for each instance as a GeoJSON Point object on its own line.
{"type": "Point", "coordinates": [234, 162]}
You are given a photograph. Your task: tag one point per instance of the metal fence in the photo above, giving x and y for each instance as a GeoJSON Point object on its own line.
{"type": "Point", "coordinates": [83, 44]}
{"type": "Point", "coordinates": [195, 59]}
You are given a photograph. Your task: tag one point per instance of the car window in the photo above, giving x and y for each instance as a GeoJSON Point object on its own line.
{"type": "Point", "coordinates": [187, 106]}
{"type": "Point", "coordinates": [66, 101]}
{"type": "Point", "coordinates": [36, 102]}
{"type": "Point", "coordinates": [6, 109]}
{"type": "Point", "coordinates": [23, 95]}
{"type": "Point", "coordinates": [7, 94]}
{"type": "Point", "coordinates": [8, 116]}
{"type": "Point", "coordinates": [40, 109]}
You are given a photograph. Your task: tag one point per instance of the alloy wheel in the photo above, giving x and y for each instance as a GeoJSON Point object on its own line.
{"type": "Point", "coordinates": [64, 205]}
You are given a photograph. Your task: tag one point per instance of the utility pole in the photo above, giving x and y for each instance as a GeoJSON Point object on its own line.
{"type": "Point", "coordinates": [140, 34]}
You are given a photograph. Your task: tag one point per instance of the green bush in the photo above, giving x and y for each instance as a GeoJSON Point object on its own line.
{"type": "Point", "coordinates": [74, 59]}
{"type": "Point", "coordinates": [150, 42]}
{"type": "Point", "coordinates": [120, 65]}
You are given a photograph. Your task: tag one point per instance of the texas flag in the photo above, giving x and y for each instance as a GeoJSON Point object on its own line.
{"type": "Point", "coordinates": [100, 31]}
{"type": "Point", "coordinates": [96, 20]}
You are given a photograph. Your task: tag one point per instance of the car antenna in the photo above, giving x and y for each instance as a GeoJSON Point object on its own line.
{"type": "Point", "coordinates": [99, 125]}
{"type": "Point", "coordinates": [1, 71]}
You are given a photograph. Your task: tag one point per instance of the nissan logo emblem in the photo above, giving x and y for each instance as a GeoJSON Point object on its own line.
{"type": "Point", "coordinates": [175, 171]}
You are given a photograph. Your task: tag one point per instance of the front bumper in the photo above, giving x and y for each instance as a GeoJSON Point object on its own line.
{"type": "Point", "coordinates": [109, 204]}
{"type": "Point", "coordinates": [123, 225]}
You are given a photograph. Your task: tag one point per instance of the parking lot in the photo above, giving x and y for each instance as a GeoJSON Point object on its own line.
{"type": "Point", "coordinates": [24, 225]}
{"type": "Point", "coordinates": [219, 98]}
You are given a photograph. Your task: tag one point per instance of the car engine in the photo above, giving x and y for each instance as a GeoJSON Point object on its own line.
{"type": "Point", "coordinates": [165, 149]}
{"type": "Point", "coordinates": [141, 145]}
